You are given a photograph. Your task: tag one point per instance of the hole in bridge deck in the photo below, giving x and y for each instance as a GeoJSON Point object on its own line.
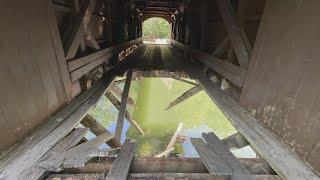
{"type": "Point", "coordinates": [151, 97]}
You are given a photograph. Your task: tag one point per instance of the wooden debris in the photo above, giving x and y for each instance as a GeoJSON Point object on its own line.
{"type": "Point", "coordinates": [235, 141]}
{"type": "Point", "coordinates": [128, 116]}
{"type": "Point", "coordinates": [173, 139]}
{"type": "Point", "coordinates": [123, 105]}
{"type": "Point", "coordinates": [162, 154]}
{"type": "Point", "coordinates": [186, 95]}
{"type": "Point", "coordinates": [97, 129]}
{"type": "Point", "coordinates": [120, 168]}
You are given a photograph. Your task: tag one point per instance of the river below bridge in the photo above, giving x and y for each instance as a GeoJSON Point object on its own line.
{"type": "Point", "coordinates": [152, 95]}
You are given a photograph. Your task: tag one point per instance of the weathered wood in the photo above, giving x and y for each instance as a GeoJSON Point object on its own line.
{"type": "Point", "coordinates": [113, 99]}
{"type": "Point", "coordinates": [221, 47]}
{"type": "Point", "coordinates": [72, 40]}
{"type": "Point", "coordinates": [33, 147]}
{"type": "Point", "coordinates": [75, 157]}
{"type": "Point", "coordinates": [68, 142]}
{"type": "Point", "coordinates": [234, 32]}
{"type": "Point", "coordinates": [165, 152]}
{"type": "Point", "coordinates": [285, 162]}
{"type": "Point", "coordinates": [173, 139]}
{"type": "Point", "coordinates": [225, 155]}
{"type": "Point", "coordinates": [192, 176]}
{"type": "Point", "coordinates": [97, 129]}
{"type": "Point", "coordinates": [186, 95]}
{"type": "Point", "coordinates": [235, 141]}
{"type": "Point", "coordinates": [167, 165]}
{"type": "Point", "coordinates": [91, 42]}
{"type": "Point", "coordinates": [118, 92]}
{"type": "Point", "coordinates": [76, 177]}
{"type": "Point", "coordinates": [121, 166]}
{"type": "Point", "coordinates": [77, 13]}
{"type": "Point", "coordinates": [230, 71]}
{"type": "Point", "coordinates": [58, 47]}
{"type": "Point", "coordinates": [210, 159]}
{"type": "Point", "coordinates": [123, 105]}
{"type": "Point", "coordinates": [185, 81]}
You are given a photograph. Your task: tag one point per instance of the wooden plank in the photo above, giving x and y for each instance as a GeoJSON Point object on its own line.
{"type": "Point", "coordinates": [192, 176]}
{"type": "Point", "coordinates": [185, 81]}
{"type": "Point", "coordinates": [58, 47]}
{"type": "Point", "coordinates": [234, 32]}
{"type": "Point", "coordinates": [66, 143]}
{"type": "Point", "coordinates": [118, 92]}
{"type": "Point", "coordinates": [285, 162]}
{"type": "Point", "coordinates": [76, 177]}
{"type": "Point", "coordinates": [33, 147]}
{"type": "Point", "coordinates": [167, 165]}
{"type": "Point", "coordinates": [185, 96]}
{"type": "Point", "coordinates": [77, 13]}
{"type": "Point", "coordinates": [210, 159]}
{"type": "Point", "coordinates": [97, 129]}
{"type": "Point", "coordinates": [113, 99]}
{"type": "Point", "coordinates": [232, 72]}
{"type": "Point", "coordinates": [72, 40]}
{"type": "Point", "coordinates": [221, 47]}
{"type": "Point", "coordinates": [235, 141]}
{"type": "Point", "coordinates": [225, 154]}
{"type": "Point", "coordinates": [121, 166]}
{"type": "Point", "coordinates": [123, 105]}
{"type": "Point", "coordinates": [75, 157]}
{"type": "Point", "coordinates": [173, 139]}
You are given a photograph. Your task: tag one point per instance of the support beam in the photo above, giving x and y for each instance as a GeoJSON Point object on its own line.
{"type": "Point", "coordinates": [204, 24]}
{"type": "Point", "coordinates": [97, 129]}
{"type": "Point", "coordinates": [33, 147]}
{"type": "Point", "coordinates": [166, 165]}
{"type": "Point", "coordinates": [235, 141]}
{"type": "Point", "coordinates": [221, 47]}
{"type": "Point", "coordinates": [237, 37]}
{"type": "Point", "coordinates": [186, 95]}
{"type": "Point", "coordinates": [193, 176]}
{"type": "Point", "coordinates": [285, 162]}
{"type": "Point", "coordinates": [118, 92]}
{"type": "Point", "coordinates": [173, 139]}
{"type": "Point", "coordinates": [120, 168]}
{"type": "Point", "coordinates": [185, 81]}
{"type": "Point", "coordinates": [123, 105]}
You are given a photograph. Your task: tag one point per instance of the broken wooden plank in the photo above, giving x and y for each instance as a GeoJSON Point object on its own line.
{"type": "Point", "coordinates": [162, 154]}
{"type": "Point", "coordinates": [66, 143]}
{"type": "Point", "coordinates": [235, 141]}
{"type": "Point", "coordinates": [210, 159]}
{"type": "Point", "coordinates": [113, 99]}
{"type": "Point", "coordinates": [285, 162]}
{"type": "Point", "coordinates": [76, 156]}
{"type": "Point", "coordinates": [192, 176]}
{"type": "Point", "coordinates": [186, 95]}
{"type": "Point", "coordinates": [167, 165]}
{"type": "Point", "coordinates": [72, 40]}
{"type": "Point", "coordinates": [173, 139]}
{"type": "Point", "coordinates": [33, 147]}
{"type": "Point", "coordinates": [185, 81]}
{"type": "Point", "coordinates": [123, 105]}
{"type": "Point", "coordinates": [120, 168]}
{"type": "Point", "coordinates": [97, 129]}
{"type": "Point", "coordinates": [230, 71]}
{"type": "Point", "coordinates": [76, 177]}
{"type": "Point", "coordinates": [234, 31]}
{"type": "Point", "coordinates": [118, 92]}
{"type": "Point", "coordinates": [225, 155]}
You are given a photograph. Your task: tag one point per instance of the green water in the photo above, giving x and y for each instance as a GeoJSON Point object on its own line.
{"type": "Point", "coordinates": [152, 95]}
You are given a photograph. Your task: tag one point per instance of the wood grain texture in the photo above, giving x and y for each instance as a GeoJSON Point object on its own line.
{"type": "Point", "coordinates": [185, 96]}
{"type": "Point", "coordinates": [121, 166]}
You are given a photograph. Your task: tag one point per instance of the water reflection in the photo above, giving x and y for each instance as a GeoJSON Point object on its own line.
{"type": "Point", "coordinates": [152, 95]}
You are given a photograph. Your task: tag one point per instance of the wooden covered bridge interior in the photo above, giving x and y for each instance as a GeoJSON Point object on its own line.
{"type": "Point", "coordinates": [256, 59]}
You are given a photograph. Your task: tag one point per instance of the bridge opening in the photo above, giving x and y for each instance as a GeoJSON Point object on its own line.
{"type": "Point", "coordinates": [156, 30]}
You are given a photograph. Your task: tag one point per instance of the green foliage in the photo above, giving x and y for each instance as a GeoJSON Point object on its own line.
{"type": "Point", "coordinates": [156, 28]}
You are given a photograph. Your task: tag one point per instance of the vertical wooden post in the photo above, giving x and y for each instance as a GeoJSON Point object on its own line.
{"type": "Point", "coordinates": [204, 23]}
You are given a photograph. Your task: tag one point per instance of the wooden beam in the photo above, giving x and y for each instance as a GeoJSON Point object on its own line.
{"type": "Point", "coordinates": [33, 147]}
{"type": "Point", "coordinates": [120, 168]}
{"type": "Point", "coordinates": [167, 165]}
{"type": "Point", "coordinates": [221, 47]}
{"type": "Point", "coordinates": [235, 141]}
{"type": "Point", "coordinates": [97, 129]}
{"type": "Point", "coordinates": [186, 95]}
{"type": "Point", "coordinates": [235, 33]}
{"type": "Point", "coordinates": [285, 162]}
{"type": "Point", "coordinates": [193, 176]}
{"type": "Point", "coordinates": [123, 105]}
{"type": "Point", "coordinates": [185, 81]}
{"type": "Point", "coordinates": [173, 139]}
{"type": "Point", "coordinates": [165, 152]}
{"type": "Point", "coordinates": [77, 13]}
{"type": "Point", "coordinates": [225, 154]}
{"type": "Point", "coordinates": [210, 159]}
{"type": "Point", "coordinates": [204, 24]}
{"type": "Point", "coordinates": [118, 92]}
{"type": "Point", "coordinates": [59, 51]}
{"type": "Point", "coordinates": [66, 143]}
{"type": "Point", "coordinates": [113, 99]}
{"type": "Point", "coordinates": [75, 177]}
{"type": "Point", "coordinates": [72, 40]}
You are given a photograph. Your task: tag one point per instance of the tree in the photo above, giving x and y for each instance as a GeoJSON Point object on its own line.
{"type": "Point", "coordinates": [156, 28]}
